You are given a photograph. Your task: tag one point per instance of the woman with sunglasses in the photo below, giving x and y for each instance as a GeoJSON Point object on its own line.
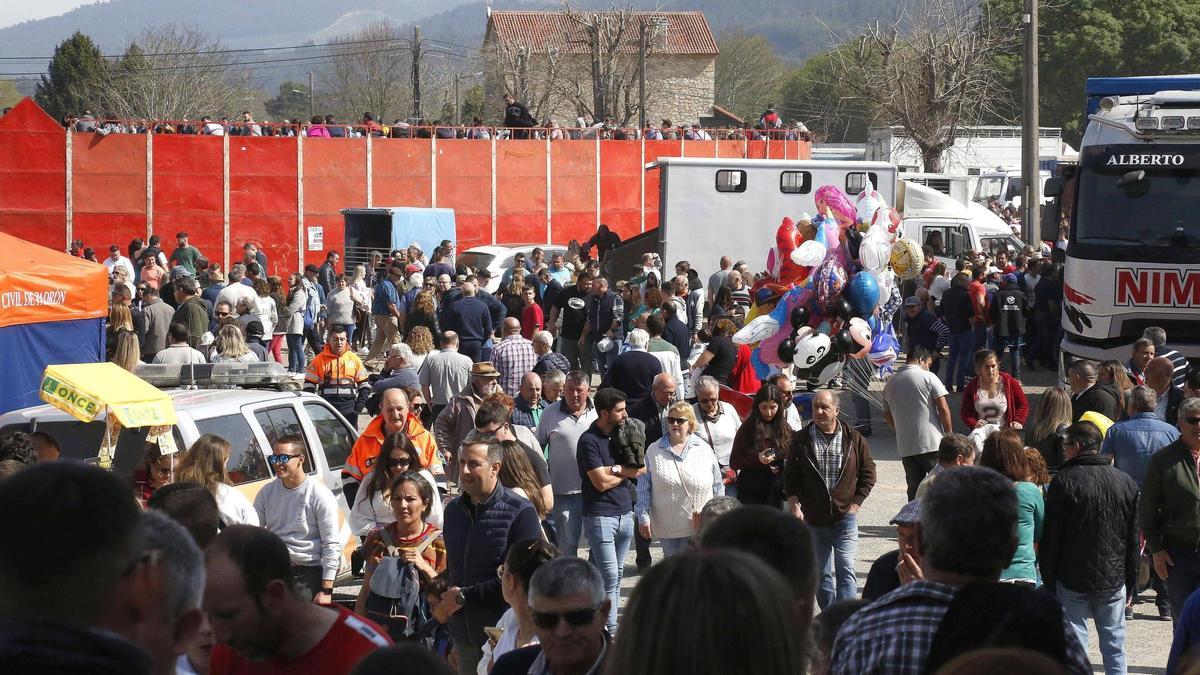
{"type": "Point", "coordinates": [682, 474]}
{"type": "Point", "coordinates": [409, 536]}
{"type": "Point", "coordinates": [516, 628]}
{"type": "Point", "coordinates": [157, 470]}
{"type": "Point", "coordinates": [371, 508]}
{"type": "Point", "coordinates": [760, 448]}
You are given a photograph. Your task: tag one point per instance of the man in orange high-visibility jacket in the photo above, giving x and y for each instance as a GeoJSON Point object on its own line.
{"type": "Point", "coordinates": [339, 376]}
{"type": "Point", "coordinates": [393, 417]}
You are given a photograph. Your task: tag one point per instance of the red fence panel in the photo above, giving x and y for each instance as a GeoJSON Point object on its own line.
{"type": "Point", "coordinates": [621, 187]}
{"type": "Point", "coordinates": [109, 179]}
{"type": "Point", "coordinates": [334, 179]}
{"type": "Point", "coordinates": [33, 175]}
{"type": "Point", "coordinates": [189, 190]}
{"type": "Point", "coordinates": [521, 191]}
{"type": "Point", "coordinates": [700, 148]}
{"type": "Point", "coordinates": [262, 200]}
{"type": "Point", "coordinates": [400, 172]}
{"type": "Point", "coordinates": [464, 183]}
{"type": "Point", "coordinates": [573, 190]}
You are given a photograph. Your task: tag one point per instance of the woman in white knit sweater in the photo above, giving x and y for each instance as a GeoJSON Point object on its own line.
{"type": "Point", "coordinates": [205, 463]}
{"type": "Point", "coordinates": [682, 474]}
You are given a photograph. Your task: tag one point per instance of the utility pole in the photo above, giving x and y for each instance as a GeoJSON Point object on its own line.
{"type": "Point", "coordinates": [1030, 145]}
{"type": "Point", "coordinates": [457, 107]}
{"type": "Point", "coordinates": [643, 46]}
{"type": "Point", "coordinates": [416, 72]}
{"type": "Point", "coordinates": [312, 105]}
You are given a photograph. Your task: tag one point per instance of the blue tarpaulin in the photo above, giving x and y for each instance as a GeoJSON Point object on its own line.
{"type": "Point", "coordinates": [26, 350]}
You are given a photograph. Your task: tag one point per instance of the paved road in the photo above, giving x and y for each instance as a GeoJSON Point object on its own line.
{"type": "Point", "coordinates": [1148, 639]}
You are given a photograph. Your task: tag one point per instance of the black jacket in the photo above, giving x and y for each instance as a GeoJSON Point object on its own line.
{"type": "Point", "coordinates": [1175, 396]}
{"type": "Point", "coordinates": [1101, 398]}
{"type": "Point", "coordinates": [956, 309]}
{"type": "Point", "coordinates": [47, 647]}
{"type": "Point", "coordinates": [1008, 313]}
{"type": "Point", "coordinates": [633, 373]}
{"type": "Point", "coordinates": [1090, 538]}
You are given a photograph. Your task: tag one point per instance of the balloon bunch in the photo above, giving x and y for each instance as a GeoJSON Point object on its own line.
{"type": "Point", "coordinates": [832, 279]}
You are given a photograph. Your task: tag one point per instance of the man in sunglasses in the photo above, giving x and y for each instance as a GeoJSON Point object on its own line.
{"type": "Point", "coordinates": [567, 599]}
{"type": "Point", "coordinates": [304, 513]}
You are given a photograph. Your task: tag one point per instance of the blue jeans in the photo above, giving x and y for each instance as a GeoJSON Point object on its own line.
{"type": "Point", "coordinates": [1184, 578]}
{"type": "Point", "coordinates": [295, 345]}
{"type": "Point", "coordinates": [568, 519]}
{"type": "Point", "coordinates": [673, 545]}
{"type": "Point", "coordinates": [1014, 344]}
{"type": "Point", "coordinates": [609, 538]}
{"type": "Point", "coordinates": [959, 366]}
{"type": "Point", "coordinates": [1108, 611]}
{"type": "Point", "coordinates": [836, 547]}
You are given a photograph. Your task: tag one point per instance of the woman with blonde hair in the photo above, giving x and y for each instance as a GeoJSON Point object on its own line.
{"type": "Point", "coordinates": [126, 353]}
{"type": "Point", "coordinates": [687, 475]}
{"type": "Point", "coordinates": [516, 474]}
{"type": "Point", "coordinates": [420, 340]}
{"type": "Point", "coordinates": [230, 346]}
{"type": "Point", "coordinates": [205, 464]}
{"type": "Point", "coordinates": [119, 319]}
{"type": "Point", "coordinates": [1050, 418]}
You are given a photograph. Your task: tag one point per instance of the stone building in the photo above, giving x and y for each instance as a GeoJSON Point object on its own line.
{"type": "Point", "coordinates": [545, 59]}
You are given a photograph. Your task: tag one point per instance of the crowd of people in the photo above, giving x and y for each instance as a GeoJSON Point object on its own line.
{"type": "Point", "coordinates": [518, 123]}
{"type": "Point", "coordinates": [503, 432]}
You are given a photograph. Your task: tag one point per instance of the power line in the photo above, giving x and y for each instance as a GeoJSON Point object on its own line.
{"type": "Point", "coordinates": [336, 43]}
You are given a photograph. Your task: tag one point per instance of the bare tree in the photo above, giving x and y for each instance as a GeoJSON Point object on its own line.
{"type": "Point", "coordinates": [369, 70]}
{"type": "Point", "coordinates": [931, 71]}
{"type": "Point", "coordinates": [749, 72]}
{"type": "Point", "coordinates": [170, 72]}
{"type": "Point", "coordinates": [531, 76]}
{"type": "Point", "coordinates": [610, 39]}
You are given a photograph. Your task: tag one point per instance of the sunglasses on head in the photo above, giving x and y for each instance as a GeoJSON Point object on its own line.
{"type": "Point", "coordinates": [676, 420]}
{"type": "Point", "coordinates": [575, 618]}
{"type": "Point", "coordinates": [280, 459]}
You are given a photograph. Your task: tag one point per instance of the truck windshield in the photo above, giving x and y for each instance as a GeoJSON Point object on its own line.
{"type": "Point", "coordinates": [1152, 207]}
{"type": "Point", "coordinates": [990, 189]}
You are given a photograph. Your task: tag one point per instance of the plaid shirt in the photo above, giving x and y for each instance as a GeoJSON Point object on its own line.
{"type": "Point", "coordinates": [894, 634]}
{"type": "Point", "coordinates": [513, 357]}
{"type": "Point", "coordinates": [830, 453]}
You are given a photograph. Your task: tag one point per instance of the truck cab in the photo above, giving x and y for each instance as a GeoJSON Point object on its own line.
{"type": "Point", "coordinates": [1133, 258]}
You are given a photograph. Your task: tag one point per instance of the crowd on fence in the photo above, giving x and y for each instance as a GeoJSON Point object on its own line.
{"type": "Point", "coordinates": [507, 423]}
{"type": "Point", "coordinates": [517, 124]}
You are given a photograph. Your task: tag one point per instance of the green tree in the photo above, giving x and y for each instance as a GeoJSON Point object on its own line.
{"type": "Point", "coordinates": [748, 73]}
{"type": "Point", "coordinates": [75, 70]}
{"type": "Point", "coordinates": [292, 102]}
{"type": "Point", "coordinates": [815, 94]}
{"type": "Point", "coordinates": [1093, 38]}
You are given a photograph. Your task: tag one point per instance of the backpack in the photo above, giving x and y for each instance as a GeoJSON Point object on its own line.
{"type": "Point", "coordinates": [312, 305]}
{"type": "Point", "coordinates": [395, 600]}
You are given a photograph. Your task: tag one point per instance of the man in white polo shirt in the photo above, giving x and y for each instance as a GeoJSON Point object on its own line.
{"type": "Point", "coordinates": [558, 431]}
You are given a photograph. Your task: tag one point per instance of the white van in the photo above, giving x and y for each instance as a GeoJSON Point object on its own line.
{"type": "Point", "coordinates": [952, 228]}
{"type": "Point", "coordinates": [250, 419]}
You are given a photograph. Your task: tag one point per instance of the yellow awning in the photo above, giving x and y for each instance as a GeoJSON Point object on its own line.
{"type": "Point", "coordinates": [84, 390]}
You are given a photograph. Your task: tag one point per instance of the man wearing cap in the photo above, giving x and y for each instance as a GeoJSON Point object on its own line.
{"type": "Point", "coordinates": [184, 254]}
{"type": "Point", "coordinates": [337, 375]}
{"type": "Point", "coordinates": [1008, 322]}
{"type": "Point", "coordinates": [457, 419]}
{"type": "Point", "coordinates": [925, 329]}
{"type": "Point", "coordinates": [902, 565]}
{"type": "Point", "coordinates": [827, 477]}
{"type": "Point", "coordinates": [385, 312]}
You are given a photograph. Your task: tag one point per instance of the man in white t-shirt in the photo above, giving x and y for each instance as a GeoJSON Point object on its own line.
{"type": "Point", "coordinates": [916, 408]}
{"type": "Point", "coordinates": [116, 261]}
{"type": "Point", "coordinates": [304, 513]}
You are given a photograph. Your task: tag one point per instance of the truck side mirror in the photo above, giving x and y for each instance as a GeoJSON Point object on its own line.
{"type": "Point", "coordinates": [1053, 187]}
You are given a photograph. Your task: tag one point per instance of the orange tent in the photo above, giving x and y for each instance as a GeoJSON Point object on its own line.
{"type": "Point", "coordinates": [52, 311]}
{"type": "Point", "coordinates": [38, 284]}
